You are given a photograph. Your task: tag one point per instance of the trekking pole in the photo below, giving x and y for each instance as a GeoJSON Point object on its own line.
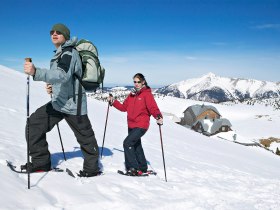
{"type": "Point", "coordinates": [27, 125]}
{"type": "Point", "coordinates": [105, 126]}
{"type": "Point", "coordinates": [60, 140]}
{"type": "Point", "coordinates": [162, 152]}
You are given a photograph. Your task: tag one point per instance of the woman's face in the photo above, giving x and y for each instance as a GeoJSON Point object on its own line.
{"type": "Point", "coordinates": [138, 83]}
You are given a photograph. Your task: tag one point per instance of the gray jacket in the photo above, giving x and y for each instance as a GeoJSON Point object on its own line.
{"type": "Point", "coordinates": [63, 66]}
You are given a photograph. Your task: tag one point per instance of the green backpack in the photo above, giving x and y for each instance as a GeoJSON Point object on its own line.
{"type": "Point", "coordinates": [93, 72]}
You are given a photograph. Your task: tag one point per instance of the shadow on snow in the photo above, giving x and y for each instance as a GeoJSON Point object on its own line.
{"type": "Point", "coordinates": [57, 158]}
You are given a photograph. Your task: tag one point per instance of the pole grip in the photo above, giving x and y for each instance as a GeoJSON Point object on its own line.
{"type": "Point", "coordinates": [28, 59]}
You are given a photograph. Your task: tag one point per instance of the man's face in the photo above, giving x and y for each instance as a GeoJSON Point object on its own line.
{"type": "Point", "coordinates": [57, 38]}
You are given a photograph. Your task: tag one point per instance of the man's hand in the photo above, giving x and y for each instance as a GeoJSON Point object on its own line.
{"type": "Point", "coordinates": [29, 68]}
{"type": "Point", "coordinates": [49, 88]}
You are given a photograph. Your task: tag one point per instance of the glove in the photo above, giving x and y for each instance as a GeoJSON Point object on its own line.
{"type": "Point", "coordinates": [159, 119]}
{"type": "Point", "coordinates": [110, 99]}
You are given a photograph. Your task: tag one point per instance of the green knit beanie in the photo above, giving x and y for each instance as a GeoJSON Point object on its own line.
{"type": "Point", "coordinates": [62, 29]}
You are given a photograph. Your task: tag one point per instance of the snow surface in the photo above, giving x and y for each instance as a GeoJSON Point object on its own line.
{"type": "Point", "coordinates": [202, 172]}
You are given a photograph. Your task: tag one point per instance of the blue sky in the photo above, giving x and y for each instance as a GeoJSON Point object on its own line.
{"type": "Point", "coordinates": [168, 41]}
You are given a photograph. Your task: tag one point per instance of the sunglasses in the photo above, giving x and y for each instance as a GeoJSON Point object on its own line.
{"type": "Point", "coordinates": [137, 82]}
{"type": "Point", "coordinates": [57, 32]}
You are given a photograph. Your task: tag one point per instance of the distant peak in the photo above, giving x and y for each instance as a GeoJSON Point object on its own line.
{"type": "Point", "coordinates": [209, 75]}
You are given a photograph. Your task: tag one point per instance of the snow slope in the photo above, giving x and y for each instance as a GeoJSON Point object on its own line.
{"type": "Point", "coordinates": [203, 173]}
{"type": "Point", "coordinates": [250, 121]}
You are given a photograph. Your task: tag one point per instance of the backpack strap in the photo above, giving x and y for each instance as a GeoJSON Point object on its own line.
{"type": "Point", "coordinates": [79, 102]}
{"type": "Point", "coordinates": [80, 96]}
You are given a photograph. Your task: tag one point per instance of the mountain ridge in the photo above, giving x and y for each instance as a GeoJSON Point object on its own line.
{"type": "Point", "coordinates": [213, 88]}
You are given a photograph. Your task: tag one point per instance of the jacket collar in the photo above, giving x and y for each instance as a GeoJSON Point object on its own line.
{"type": "Point", "coordinates": [69, 43]}
{"type": "Point", "coordinates": [135, 92]}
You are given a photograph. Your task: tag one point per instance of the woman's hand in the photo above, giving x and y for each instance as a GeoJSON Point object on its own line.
{"type": "Point", "coordinates": [159, 120]}
{"type": "Point", "coordinates": [110, 99]}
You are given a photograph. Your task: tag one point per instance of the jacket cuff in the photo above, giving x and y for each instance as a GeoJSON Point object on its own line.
{"type": "Point", "coordinates": [39, 75]}
{"type": "Point", "coordinates": [158, 116]}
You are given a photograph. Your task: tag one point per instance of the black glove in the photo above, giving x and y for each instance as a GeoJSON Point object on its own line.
{"type": "Point", "coordinates": [111, 99]}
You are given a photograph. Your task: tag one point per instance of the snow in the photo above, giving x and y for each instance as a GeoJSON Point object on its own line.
{"type": "Point", "coordinates": [274, 146]}
{"type": "Point", "coordinates": [119, 88]}
{"type": "Point", "coordinates": [202, 172]}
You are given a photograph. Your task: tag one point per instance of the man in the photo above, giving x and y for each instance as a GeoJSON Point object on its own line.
{"type": "Point", "coordinates": [63, 85]}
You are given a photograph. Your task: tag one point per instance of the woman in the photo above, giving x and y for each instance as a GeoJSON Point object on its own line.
{"type": "Point", "coordinates": [139, 105]}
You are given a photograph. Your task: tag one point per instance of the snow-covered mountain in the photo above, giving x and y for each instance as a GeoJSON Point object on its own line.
{"type": "Point", "coordinates": [119, 93]}
{"type": "Point", "coordinates": [213, 88]}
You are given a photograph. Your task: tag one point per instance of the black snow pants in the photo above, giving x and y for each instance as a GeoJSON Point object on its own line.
{"type": "Point", "coordinates": [133, 150]}
{"type": "Point", "coordinates": [44, 119]}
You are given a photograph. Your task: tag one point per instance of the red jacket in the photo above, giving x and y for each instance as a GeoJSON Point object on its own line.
{"type": "Point", "coordinates": [139, 108]}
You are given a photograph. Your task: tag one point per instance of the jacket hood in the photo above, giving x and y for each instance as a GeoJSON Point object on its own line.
{"type": "Point", "coordinates": [70, 43]}
{"type": "Point", "coordinates": [145, 89]}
